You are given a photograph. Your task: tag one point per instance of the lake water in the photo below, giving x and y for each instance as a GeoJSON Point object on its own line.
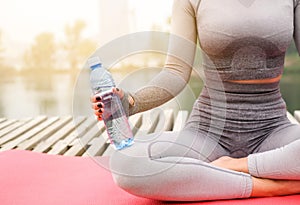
{"type": "Point", "coordinates": [64, 94]}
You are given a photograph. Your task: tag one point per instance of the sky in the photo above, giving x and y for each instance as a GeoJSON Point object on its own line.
{"type": "Point", "coordinates": [151, 11]}
{"type": "Point", "coordinates": [21, 21]}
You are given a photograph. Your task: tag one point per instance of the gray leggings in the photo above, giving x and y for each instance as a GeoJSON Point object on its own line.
{"type": "Point", "coordinates": [175, 166]}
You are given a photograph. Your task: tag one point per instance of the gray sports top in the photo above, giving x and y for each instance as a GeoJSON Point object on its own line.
{"type": "Point", "coordinates": [239, 39]}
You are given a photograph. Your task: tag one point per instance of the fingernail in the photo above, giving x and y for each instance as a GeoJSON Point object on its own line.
{"type": "Point", "coordinates": [98, 98]}
{"type": "Point", "coordinates": [118, 89]}
{"type": "Point", "coordinates": [99, 105]}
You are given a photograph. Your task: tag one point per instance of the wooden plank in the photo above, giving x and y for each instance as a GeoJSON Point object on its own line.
{"type": "Point", "coordinates": [291, 118]}
{"type": "Point", "coordinates": [58, 148]}
{"type": "Point", "coordinates": [6, 124]}
{"type": "Point", "coordinates": [100, 125]}
{"type": "Point", "coordinates": [63, 145]}
{"type": "Point", "coordinates": [11, 131]}
{"type": "Point", "coordinates": [94, 147]}
{"type": "Point", "coordinates": [22, 129]}
{"type": "Point", "coordinates": [166, 121]}
{"type": "Point", "coordinates": [180, 120]}
{"type": "Point", "coordinates": [297, 115]}
{"type": "Point", "coordinates": [14, 143]}
{"type": "Point", "coordinates": [109, 151]}
{"type": "Point", "coordinates": [2, 120]}
{"type": "Point", "coordinates": [80, 144]}
{"type": "Point", "coordinates": [9, 128]}
{"type": "Point", "coordinates": [149, 122]}
{"type": "Point", "coordinates": [32, 142]}
{"type": "Point", "coordinates": [99, 145]}
{"type": "Point", "coordinates": [45, 146]}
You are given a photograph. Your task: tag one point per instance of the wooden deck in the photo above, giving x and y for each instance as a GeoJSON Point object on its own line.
{"type": "Point", "coordinates": [83, 136]}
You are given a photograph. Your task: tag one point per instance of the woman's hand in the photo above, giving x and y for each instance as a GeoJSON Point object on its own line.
{"type": "Point", "coordinates": [98, 105]}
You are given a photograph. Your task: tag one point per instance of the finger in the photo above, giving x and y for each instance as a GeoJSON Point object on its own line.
{"type": "Point", "coordinates": [97, 105]}
{"type": "Point", "coordinates": [99, 112]}
{"type": "Point", "coordinates": [99, 118]}
{"type": "Point", "coordinates": [119, 92]}
{"type": "Point", "coordinates": [95, 98]}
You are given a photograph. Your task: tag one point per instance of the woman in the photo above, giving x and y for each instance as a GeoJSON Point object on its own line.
{"type": "Point", "coordinates": [238, 142]}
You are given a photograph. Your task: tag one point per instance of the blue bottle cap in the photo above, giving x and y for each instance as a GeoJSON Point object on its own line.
{"type": "Point", "coordinates": [94, 62]}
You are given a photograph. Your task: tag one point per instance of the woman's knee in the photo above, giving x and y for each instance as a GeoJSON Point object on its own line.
{"type": "Point", "coordinates": [129, 177]}
{"type": "Point", "coordinates": [294, 148]}
{"type": "Point", "coordinates": [124, 182]}
{"type": "Point", "coordinates": [133, 185]}
{"type": "Point", "coordinates": [129, 167]}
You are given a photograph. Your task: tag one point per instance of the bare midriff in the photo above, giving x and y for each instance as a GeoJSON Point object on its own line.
{"type": "Point", "coordinates": [258, 81]}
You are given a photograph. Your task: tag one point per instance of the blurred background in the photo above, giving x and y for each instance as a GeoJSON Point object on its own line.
{"type": "Point", "coordinates": [45, 43]}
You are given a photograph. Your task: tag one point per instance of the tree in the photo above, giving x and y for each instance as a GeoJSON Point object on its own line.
{"type": "Point", "coordinates": [42, 52]}
{"type": "Point", "coordinates": [1, 50]}
{"type": "Point", "coordinates": [76, 47]}
{"type": "Point", "coordinates": [292, 49]}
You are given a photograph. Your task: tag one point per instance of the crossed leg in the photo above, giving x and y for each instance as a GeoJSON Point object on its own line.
{"type": "Point", "coordinates": [275, 166]}
{"type": "Point", "coordinates": [175, 167]}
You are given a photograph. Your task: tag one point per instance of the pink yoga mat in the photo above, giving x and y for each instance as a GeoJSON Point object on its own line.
{"type": "Point", "coordinates": [29, 178]}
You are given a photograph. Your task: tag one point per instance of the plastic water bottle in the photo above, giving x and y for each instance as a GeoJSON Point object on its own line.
{"type": "Point", "coordinates": [114, 117]}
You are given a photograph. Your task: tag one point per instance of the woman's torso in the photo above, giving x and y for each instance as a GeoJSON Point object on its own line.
{"type": "Point", "coordinates": [242, 41]}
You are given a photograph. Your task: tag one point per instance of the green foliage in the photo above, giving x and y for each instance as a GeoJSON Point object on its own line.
{"type": "Point", "coordinates": [292, 60]}
{"type": "Point", "coordinates": [292, 49]}
{"type": "Point", "coordinates": [1, 50]}
{"type": "Point", "coordinates": [42, 52]}
{"type": "Point", "coordinates": [76, 47]}
{"type": "Point", "coordinates": [45, 53]}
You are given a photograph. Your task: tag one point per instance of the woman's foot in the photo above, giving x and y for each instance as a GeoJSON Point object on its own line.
{"type": "Point", "coordinates": [261, 187]}
{"type": "Point", "coordinates": [272, 187]}
{"type": "Point", "coordinates": [235, 164]}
